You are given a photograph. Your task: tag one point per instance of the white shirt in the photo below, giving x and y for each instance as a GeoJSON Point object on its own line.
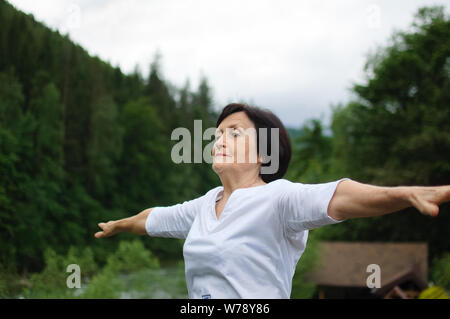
{"type": "Point", "coordinates": [252, 250]}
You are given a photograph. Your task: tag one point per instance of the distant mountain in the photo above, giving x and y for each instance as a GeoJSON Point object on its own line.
{"type": "Point", "coordinates": [294, 133]}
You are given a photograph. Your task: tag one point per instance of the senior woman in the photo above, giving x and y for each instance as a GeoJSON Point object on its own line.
{"type": "Point", "coordinates": [244, 238]}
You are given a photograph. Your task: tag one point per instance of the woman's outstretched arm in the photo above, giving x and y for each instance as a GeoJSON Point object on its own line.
{"type": "Point", "coordinates": [354, 200]}
{"type": "Point", "coordinates": [134, 224]}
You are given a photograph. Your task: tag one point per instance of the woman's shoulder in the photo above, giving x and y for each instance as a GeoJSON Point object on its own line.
{"type": "Point", "coordinates": [281, 182]}
{"type": "Point", "coordinates": [278, 186]}
{"type": "Point", "coordinates": [204, 197]}
{"type": "Point", "coordinates": [212, 192]}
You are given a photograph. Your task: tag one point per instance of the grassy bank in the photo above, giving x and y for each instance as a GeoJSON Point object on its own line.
{"type": "Point", "coordinates": [132, 271]}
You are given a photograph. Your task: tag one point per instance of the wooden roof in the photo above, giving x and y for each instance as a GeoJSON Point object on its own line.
{"type": "Point", "coordinates": [345, 263]}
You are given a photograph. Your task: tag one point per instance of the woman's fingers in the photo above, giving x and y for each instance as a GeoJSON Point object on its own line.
{"type": "Point", "coordinates": [446, 194]}
{"type": "Point", "coordinates": [431, 209]}
{"type": "Point", "coordinates": [426, 201]}
{"type": "Point", "coordinates": [98, 234]}
{"type": "Point", "coordinates": [438, 194]}
{"type": "Point", "coordinates": [108, 229]}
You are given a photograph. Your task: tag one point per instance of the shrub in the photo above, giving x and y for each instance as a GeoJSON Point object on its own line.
{"type": "Point", "coordinates": [440, 271]}
{"type": "Point", "coordinates": [132, 256]}
{"type": "Point", "coordinates": [302, 286]}
{"type": "Point", "coordinates": [51, 282]}
{"type": "Point", "coordinates": [106, 284]}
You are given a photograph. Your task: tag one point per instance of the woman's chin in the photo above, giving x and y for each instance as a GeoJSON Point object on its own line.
{"type": "Point", "coordinates": [219, 165]}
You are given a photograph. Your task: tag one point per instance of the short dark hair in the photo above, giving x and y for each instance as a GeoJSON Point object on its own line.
{"type": "Point", "coordinates": [263, 118]}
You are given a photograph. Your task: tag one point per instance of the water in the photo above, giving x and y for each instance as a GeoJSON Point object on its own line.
{"type": "Point", "coordinates": [167, 282]}
{"type": "Point", "coordinates": [163, 283]}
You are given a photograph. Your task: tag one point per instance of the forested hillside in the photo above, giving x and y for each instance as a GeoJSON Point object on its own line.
{"type": "Point", "coordinates": [81, 142]}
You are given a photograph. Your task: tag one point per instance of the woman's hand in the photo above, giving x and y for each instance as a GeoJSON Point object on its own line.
{"type": "Point", "coordinates": [428, 198]}
{"type": "Point", "coordinates": [109, 229]}
{"type": "Point", "coordinates": [134, 224]}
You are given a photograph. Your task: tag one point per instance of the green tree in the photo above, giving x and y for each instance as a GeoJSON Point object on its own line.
{"type": "Point", "coordinates": [311, 154]}
{"type": "Point", "coordinates": [144, 155]}
{"type": "Point", "coordinates": [11, 101]}
{"type": "Point", "coordinates": [396, 131]}
{"type": "Point", "coordinates": [104, 148]}
{"type": "Point", "coordinates": [157, 89]}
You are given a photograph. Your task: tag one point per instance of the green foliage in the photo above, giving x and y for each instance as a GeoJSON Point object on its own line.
{"type": "Point", "coordinates": [11, 97]}
{"type": "Point", "coordinates": [440, 271]}
{"type": "Point", "coordinates": [311, 156]}
{"type": "Point", "coordinates": [131, 256]}
{"type": "Point", "coordinates": [51, 282]}
{"type": "Point", "coordinates": [104, 148]}
{"type": "Point", "coordinates": [11, 282]}
{"type": "Point", "coordinates": [396, 131]}
{"type": "Point", "coordinates": [433, 292]}
{"type": "Point", "coordinates": [302, 286]}
{"type": "Point", "coordinates": [81, 143]}
{"type": "Point", "coordinates": [142, 139]}
{"type": "Point", "coordinates": [105, 282]}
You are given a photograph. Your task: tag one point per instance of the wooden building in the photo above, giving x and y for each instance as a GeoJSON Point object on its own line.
{"type": "Point", "coordinates": [343, 270]}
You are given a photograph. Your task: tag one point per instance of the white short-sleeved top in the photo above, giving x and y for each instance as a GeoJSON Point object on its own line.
{"type": "Point", "coordinates": [252, 250]}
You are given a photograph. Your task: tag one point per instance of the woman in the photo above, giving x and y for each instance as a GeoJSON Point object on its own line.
{"type": "Point", "coordinates": [244, 238]}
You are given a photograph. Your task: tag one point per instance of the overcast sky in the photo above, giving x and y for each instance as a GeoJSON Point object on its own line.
{"type": "Point", "coordinates": [293, 57]}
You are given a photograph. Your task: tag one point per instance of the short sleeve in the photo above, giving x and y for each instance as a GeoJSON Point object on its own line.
{"type": "Point", "coordinates": [305, 206]}
{"type": "Point", "coordinates": [173, 221]}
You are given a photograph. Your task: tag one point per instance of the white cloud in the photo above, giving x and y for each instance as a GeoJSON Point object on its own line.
{"type": "Point", "coordinates": [295, 57]}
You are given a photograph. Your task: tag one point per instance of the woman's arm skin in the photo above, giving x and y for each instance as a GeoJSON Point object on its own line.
{"type": "Point", "coordinates": [134, 224]}
{"type": "Point", "coordinates": [355, 200]}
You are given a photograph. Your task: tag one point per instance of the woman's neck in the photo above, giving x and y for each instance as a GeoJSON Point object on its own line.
{"type": "Point", "coordinates": [233, 182]}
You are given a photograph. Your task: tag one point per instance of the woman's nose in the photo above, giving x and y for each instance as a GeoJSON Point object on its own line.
{"type": "Point", "coordinates": [219, 144]}
{"type": "Point", "coordinates": [221, 141]}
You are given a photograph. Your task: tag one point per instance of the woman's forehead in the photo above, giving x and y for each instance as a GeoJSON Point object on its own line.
{"type": "Point", "coordinates": [238, 119]}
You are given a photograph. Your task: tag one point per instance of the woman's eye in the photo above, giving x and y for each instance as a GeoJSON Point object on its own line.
{"type": "Point", "coordinates": [235, 133]}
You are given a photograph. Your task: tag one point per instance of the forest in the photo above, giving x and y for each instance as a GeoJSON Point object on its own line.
{"type": "Point", "coordinates": [81, 142]}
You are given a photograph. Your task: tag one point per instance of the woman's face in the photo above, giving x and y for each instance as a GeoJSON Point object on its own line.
{"type": "Point", "coordinates": [235, 146]}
